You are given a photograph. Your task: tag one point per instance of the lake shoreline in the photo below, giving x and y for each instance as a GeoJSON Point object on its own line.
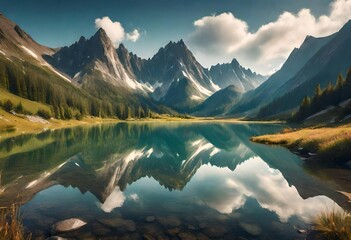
{"type": "Point", "coordinates": [12, 125]}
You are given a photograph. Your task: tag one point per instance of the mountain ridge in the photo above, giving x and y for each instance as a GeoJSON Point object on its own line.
{"type": "Point", "coordinates": [252, 100]}
{"type": "Point", "coordinates": [330, 60]}
{"type": "Point", "coordinates": [233, 73]}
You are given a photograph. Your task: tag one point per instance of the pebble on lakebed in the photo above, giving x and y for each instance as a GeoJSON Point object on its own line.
{"type": "Point", "coordinates": [68, 225]}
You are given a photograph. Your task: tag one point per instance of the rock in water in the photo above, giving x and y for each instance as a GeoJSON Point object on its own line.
{"type": "Point", "coordinates": [68, 225]}
{"type": "Point", "coordinates": [150, 219]}
{"type": "Point", "coordinates": [56, 238]}
{"type": "Point", "coordinates": [252, 229]}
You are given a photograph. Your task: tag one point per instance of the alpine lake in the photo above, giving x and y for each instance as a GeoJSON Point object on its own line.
{"type": "Point", "coordinates": [172, 180]}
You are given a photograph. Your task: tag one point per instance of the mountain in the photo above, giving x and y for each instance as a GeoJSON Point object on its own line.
{"type": "Point", "coordinates": [181, 95]}
{"type": "Point", "coordinates": [263, 94]}
{"type": "Point", "coordinates": [161, 74]}
{"type": "Point", "coordinates": [111, 82]}
{"type": "Point", "coordinates": [331, 59]}
{"type": "Point", "coordinates": [95, 57]}
{"type": "Point", "coordinates": [233, 73]}
{"type": "Point", "coordinates": [88, 62]}
{"type": "Point", "coordinates": [220, 102]}
{"type": "Point", "coordinates": [25, 73]}
{"type": "Point", "coordinates": [134, 65]}
{"type": "Point", "coordinates": [175, 61]}
{"type": "Point", "coordinates": [16, 42]}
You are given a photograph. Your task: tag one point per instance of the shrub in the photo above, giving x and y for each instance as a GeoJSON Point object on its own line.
{"type": "Point", "coordinates": [19, 108]}
{"type": "Point", "coordinates": [44, 114]}
{"type": "Point", "coordinates": [8, 106]}
{"type": "Point", "coordinates": [78, 116]}
{"type": "Point", "coordinates": [68, 113]}
{"type": "Point", "coordinates": [8, 128]}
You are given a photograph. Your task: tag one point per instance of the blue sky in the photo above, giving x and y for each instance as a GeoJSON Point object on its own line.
{"type": "Point", "coordinates": [58, 23]}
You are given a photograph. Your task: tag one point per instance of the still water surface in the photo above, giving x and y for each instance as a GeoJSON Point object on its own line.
{"type": "Point", "coordinates": [162, 180]}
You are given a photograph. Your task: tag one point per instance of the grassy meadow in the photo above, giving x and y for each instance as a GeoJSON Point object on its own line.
{"type": "Point", "coordinates": [331, 144]}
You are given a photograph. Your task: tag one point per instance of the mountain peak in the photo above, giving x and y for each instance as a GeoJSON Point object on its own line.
{"type": "Point", "coordinates": [346, 27]}
{"type": "Point", "coordinates": [181, 42]}
{"type": "Point", "coordinates": [101, 33]}
{"type": "Point", "coordinates": [82, 40]}
{"type": "Point", "coordinates": [121, 47]}
{"type": "Point", "coordinates": [101, 38]}
{"type": "Point", "coordinates": [235, 62]}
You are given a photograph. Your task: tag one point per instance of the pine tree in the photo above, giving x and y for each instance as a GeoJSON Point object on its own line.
{"type": "Point", "coordinates": [318, 92]}
{"type": "Point", "coordinates": [340, 81]}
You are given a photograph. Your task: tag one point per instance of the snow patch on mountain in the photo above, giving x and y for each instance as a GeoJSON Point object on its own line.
{"type": "Point", "coordinates": [194, 97]}
{"type": "Point", "coordinates": [197, 85]}
{"type": "Point", "coordinates": [215, 86]}
{"type": "Point", "coordinates": [30, 52]}
{"type": "Point", "coordinates": [77, 74]}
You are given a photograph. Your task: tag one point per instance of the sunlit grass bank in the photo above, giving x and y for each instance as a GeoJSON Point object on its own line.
{"type": "Point", "coordinates": [330, 144]}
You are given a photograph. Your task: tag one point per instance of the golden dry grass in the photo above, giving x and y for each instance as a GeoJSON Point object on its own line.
{"type": "Point", "coordinates": [329, 143]}
{"type": "Point", "coordinates": [11, 125]}
{"type": "Point", "coordinates": [11, 227]}
{"type": "Point", "coordinates": [334, 225]}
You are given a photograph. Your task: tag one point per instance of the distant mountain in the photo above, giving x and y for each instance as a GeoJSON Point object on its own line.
{"type": "Point", "coordinates": [161, 74]}
{"type": "Point", "coordinates": [95, 58]}
{"type": "Point", "coordinates": [265, 93]}
{"type": "Point", "coordinates": [116, 81]}
{"type": "Point", "coordinates": [331, 59]}
{"type": "Point", "coordinates": [134, 65]}
{"type": "Point", "coordinates": [220, 102]}
{"type": "Point", "coordinates": [182, 95]}
{"type": "Point", "coordinates": [175, 61]}
{"type": "Point", "coordinates": [233, 73]}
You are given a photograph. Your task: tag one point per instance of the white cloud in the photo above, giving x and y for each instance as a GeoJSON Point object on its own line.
{"type": "Point", "coordinates": [115, 200]}
{"type": "Point", "coordinates": [255, 179]}
{"type": "Point", "coordinates": [224, 36]}
{"type": "Point", "coordinates": [115, 30]}
{"type": "Point", "coordinates": [133, 36]}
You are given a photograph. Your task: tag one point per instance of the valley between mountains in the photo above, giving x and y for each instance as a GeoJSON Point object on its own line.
{"type": "Point", "coordinates": [91, 78]}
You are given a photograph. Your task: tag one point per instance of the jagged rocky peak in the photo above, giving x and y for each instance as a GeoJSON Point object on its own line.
{"type": "Point", "coordinates": [234, 62]}
{"type": "Point", "coordinates": [233, 73]}
{"type": "Point", "coordinates": [82, 40]}
{"type": "Point", "coordinates": [176, 50]}
{"type": "Point", "coordinates": [122, 48]}
{"type": "Point", "coordinates": [76, 57]}
{"type": "Point", "coordinates": [123, 53]}
{"type": "Point", "coordinates": [101, 39]}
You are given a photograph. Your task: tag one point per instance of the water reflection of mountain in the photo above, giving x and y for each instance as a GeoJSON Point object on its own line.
{"type": "Point", "coordinates": [117, 155]}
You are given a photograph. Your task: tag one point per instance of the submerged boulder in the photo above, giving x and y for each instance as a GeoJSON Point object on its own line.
{"type": "Point", "coordinates": [68, 225]}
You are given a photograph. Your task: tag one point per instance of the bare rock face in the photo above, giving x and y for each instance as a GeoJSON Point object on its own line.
{"type": "Point", "coordinates": [68, 225]}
